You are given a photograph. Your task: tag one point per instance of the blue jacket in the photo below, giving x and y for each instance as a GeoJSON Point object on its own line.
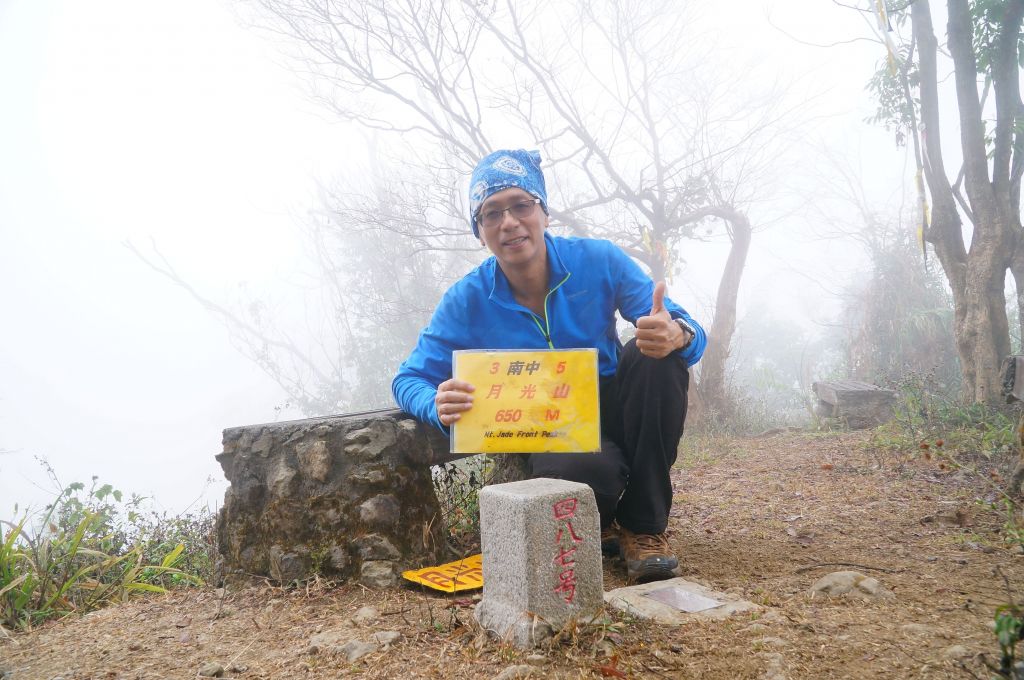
{"type": "Point", "coordinates": [590, 280]}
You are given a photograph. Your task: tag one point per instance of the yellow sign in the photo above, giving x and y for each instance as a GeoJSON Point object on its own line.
{"type": "Point", "coordinates": [465, 574]}
{"type": "Point", "coordinates": [529, 401]}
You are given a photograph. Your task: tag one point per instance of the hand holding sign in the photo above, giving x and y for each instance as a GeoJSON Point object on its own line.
{"type": "Point", "coordinates": [657, 335]}
{"type": "Point", "coordinates": [453, 397]}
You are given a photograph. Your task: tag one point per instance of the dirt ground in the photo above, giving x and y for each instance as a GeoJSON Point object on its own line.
{"type": "Point", "coordinates": [765, 517]}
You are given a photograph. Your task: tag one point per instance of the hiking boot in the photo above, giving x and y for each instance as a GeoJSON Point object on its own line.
{"type": "Point", "coordinates": [647, 556]}
{"type": "Point", "coordinates": [610, 540]}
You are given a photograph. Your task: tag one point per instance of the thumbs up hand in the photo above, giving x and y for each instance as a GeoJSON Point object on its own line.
{"type": "Point", "coordinates": [657, 335]}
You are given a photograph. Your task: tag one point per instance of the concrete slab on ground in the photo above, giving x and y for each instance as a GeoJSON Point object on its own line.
{"type": "Point", "coordinates": [637, 601]}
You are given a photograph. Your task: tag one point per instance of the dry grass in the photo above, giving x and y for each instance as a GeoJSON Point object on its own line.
{"type": "Point", "coordinates": [766, 521]}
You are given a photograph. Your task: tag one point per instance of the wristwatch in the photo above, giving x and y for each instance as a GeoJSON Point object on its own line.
{"type": "Point", "coordinates": [688, 330]}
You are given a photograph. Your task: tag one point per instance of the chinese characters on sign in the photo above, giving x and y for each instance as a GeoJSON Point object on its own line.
{"type": "Point", "coordinates": [565, 547]}
{"type": "Point", "coordinates": [528, 401]}
{"type": "Point", "coordinates": [463, 574]}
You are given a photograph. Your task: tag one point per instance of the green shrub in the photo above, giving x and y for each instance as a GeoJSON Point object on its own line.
{"type": "Point", "coordinates": [930, 421]}
{"type": "Point", "coordinates": [91, 547]}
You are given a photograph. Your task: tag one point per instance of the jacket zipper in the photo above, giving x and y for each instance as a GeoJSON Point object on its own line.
{"type": "Point", "coordinates": [546, 332]}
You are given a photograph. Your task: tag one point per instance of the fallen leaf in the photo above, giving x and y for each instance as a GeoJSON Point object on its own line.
{"type": "Point", "coordinates": [609, 671]}
{"type": "Point", "coordinates": [827, 466]}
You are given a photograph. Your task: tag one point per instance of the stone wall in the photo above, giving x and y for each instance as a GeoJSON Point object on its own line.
{"type": "Point", "coordinates": [344, 496]}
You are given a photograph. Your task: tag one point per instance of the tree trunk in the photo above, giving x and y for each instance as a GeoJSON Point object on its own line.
{"type": "Point", "coordinates": [985, 332]}
{"type": "Point", "coordinates": [1017, 269]}
{"type": "Point", "coordinates": [976, 275]}
{"type": "Point", "coordinates": [712, 365]}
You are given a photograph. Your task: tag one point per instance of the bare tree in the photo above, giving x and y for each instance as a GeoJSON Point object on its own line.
{"type": "Point", "coordinates": [643, 149]}
{"type": "Point", "coordinates": [983, 42]}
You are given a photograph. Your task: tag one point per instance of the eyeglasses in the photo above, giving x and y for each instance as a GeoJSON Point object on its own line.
{"type": "Point", "coordinates": [521, 210]}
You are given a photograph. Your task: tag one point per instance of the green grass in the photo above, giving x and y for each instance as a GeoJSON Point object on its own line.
{"type": "Point", "coordinates": [91, 547]}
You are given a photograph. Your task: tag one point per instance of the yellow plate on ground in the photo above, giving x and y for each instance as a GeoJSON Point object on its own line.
{"type": "Point", "coordinates": [464, 574]}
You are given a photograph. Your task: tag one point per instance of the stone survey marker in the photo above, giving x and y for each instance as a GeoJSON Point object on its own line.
{"type": "Point", "coordinates": [541, 543]}
{"type": "Point", "coordinates": [346, 496]}
{"type": "Point", "coordinates": [860, 404]}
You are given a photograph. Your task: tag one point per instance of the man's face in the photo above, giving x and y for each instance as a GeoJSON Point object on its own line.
{"type": "Point", "coordinates": [515, 241]}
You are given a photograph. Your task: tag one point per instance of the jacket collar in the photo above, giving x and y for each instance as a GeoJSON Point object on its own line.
{"type": "Point", "coordinates": [501, 291]}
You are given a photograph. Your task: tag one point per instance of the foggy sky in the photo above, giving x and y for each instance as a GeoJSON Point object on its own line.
{"type": "Point", "coordinates": [129, 121]}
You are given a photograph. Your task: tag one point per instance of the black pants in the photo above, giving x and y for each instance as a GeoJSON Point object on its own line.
{"type": "Point", "coordinates": [643, 407]}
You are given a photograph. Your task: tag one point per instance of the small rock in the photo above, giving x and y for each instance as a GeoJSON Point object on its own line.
{"type": "Point", "coordinates": [380, 511]}
{"type": "Point", "coordinates": [756, 628]}
{"type": "Point", "coordinates": [338, 557]}
{"type": "Point", "coordinates": [369, 476]}
{"type": "Point", "coordinates": [772, 616]}
{"type": "Point", "coordinates": [357, 649]}
{"type": "Point", "coordinates": [678, 649]}
{"type": "Point", "coordinates": [916, 629]}
{"type": "Point", "coordinates": [387, 637]}
{"type": "Point", "coordinates": [536, 660]}
{"type": "Point", "coordinates": [774, 670]}
{"type": "Point", "coordinates": [134, 646]}
{"type": "Point", "coordinates": [328, 641]}
{"type": "Point", "coordinates": [378, 574]}
{"type": "Point", "coordinates": [365, 615]}
{"type": "Point", "coordinates": [520, 671]}
{"type": "Point", "coordinates": [771, 642]}
{"type": "Point", "coordinates": [238, 668]}
{"type": "Point", "coordinates": [851, 583]}
{"type": "Point", "coordinates": [287, 566]}
{"type": "Point", "coordinates": [931, 558]}
{"type": "Point", "coordinates": [315, 461]}
{"type": "Point", "coordinates": [956, 652]}
{"type": "Point", "coordinates": [220, 592]}
{"type": "Point", "coordinates": [183, 622]}
{"type": "Point", "coordinates": [955, 518]}
{"type": "Point", "coordinates": [211, 669]}
{"type": "Point", "coordinates": [972, 545]}
{"type": "Point", "coordinates": [375, 547]}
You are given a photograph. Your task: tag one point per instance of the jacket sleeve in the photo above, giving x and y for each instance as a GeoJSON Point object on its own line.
{"type": "Point", "coordinates": [634, 293]}
{"type": "Point", "coordinates": [430, 364]}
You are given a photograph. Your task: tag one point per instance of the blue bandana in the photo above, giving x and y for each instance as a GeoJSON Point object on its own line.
{"type": "Point", "coordinates": [502, 170]}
